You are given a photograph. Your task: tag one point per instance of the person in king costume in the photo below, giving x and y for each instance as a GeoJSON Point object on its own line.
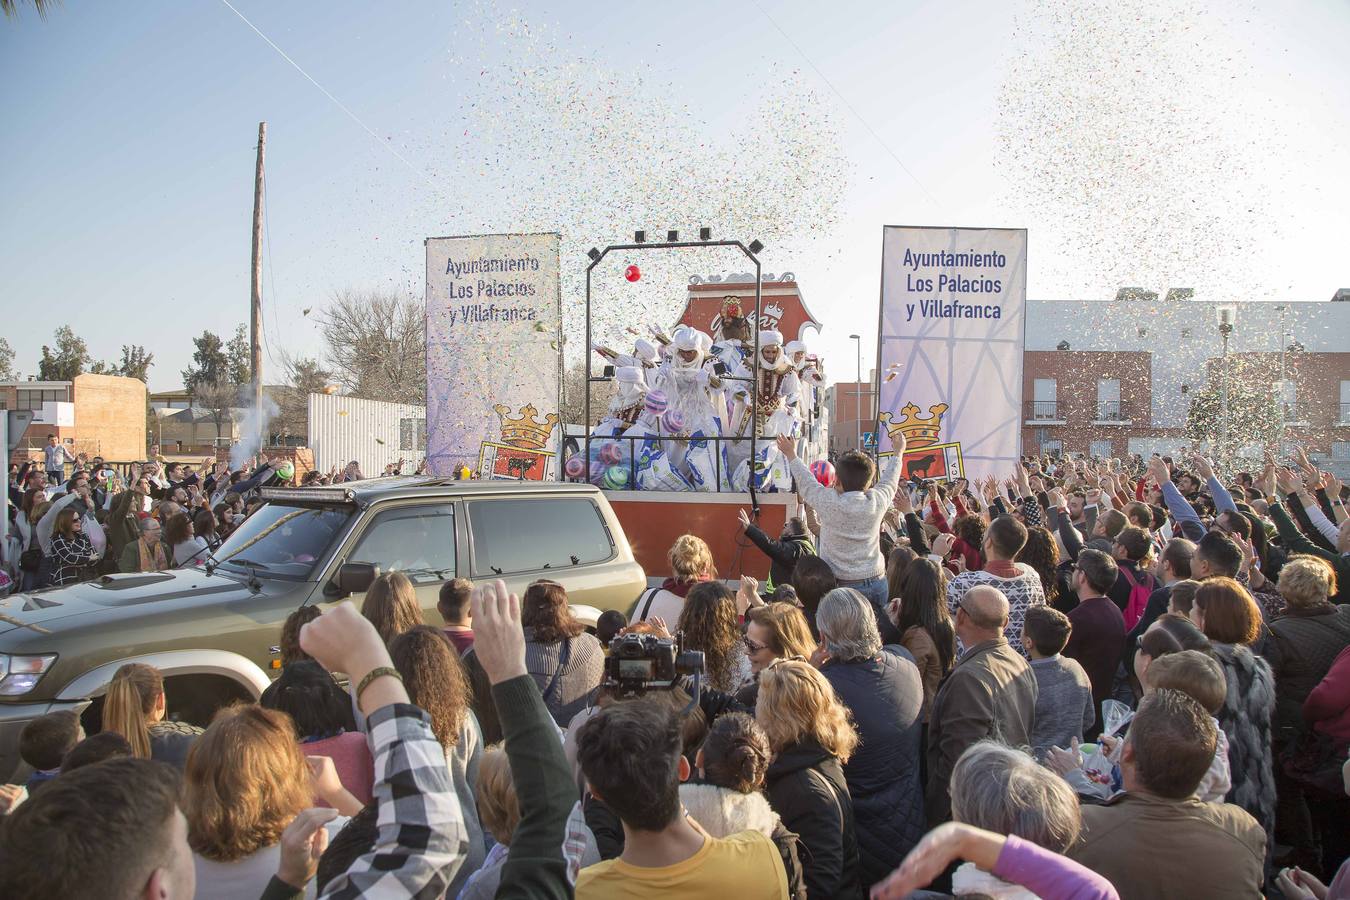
{"type": "Point", "coordinates": [693, 407]}
{"type": "Point", "coordinates": [762, 403]}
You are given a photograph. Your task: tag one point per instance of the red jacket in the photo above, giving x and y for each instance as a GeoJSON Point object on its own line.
{"type": "Point", "coordinates": [1328, 704]}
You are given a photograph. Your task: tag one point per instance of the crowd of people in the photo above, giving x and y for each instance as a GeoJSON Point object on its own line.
{"type": "Point", "coordinates": [1094, 679]}
{"type": "Point", "coordinates": [73, 517]}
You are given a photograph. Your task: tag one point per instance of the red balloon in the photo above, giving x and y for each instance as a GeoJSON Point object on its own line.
{"type": "Point", "coordinates": [632, 273]}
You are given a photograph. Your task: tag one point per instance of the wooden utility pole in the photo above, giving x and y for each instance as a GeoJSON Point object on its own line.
{"type": "Point", "coordinates": [255, 318]}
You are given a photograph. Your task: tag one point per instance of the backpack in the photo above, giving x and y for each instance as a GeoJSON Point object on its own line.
{"type": "Point", "coordinates": [1139, 593]}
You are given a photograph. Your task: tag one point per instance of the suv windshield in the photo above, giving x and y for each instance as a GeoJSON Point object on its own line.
{"type": "Point", "coordinates": [282, 540]}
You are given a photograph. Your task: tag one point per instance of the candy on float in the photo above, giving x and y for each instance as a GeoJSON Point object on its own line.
{"type": "Point", "coordinates": [824, 472]}
{"type": "Point", "coordinates": [632, 273]}
{"type": "Point", "coordinates": [575, 466]}
{"type": "Point", "coordinates": [672, 420]}
{"type": "Point", "coordinates": [616, 477]}
{"type": "Point", "coordinates": [597, 472]}
{"type": "Point", "coordinates": [610, 454]}
{"type": "Point", "coordinates": [655, 402]}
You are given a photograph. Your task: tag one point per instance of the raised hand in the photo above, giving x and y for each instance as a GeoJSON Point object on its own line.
{"type": "Point", "coordinates": [942, 544]}
{"type": "Point", "coordinates": [660, 627]}
{"type": "Point", "coordinates": [903, 501]}
{"type": "Point", "coordinates": [1202, 466]}
{"type": "Point", "coordinates": [788, 447]}
{"type": "Point", "coordinates": [302, 843]}
{"type": "Point", "coordinates": [744, 518]}
{"type": "Point", "coordinates": [498, 638]}
{"type": "Point", "coordinates": [1287, 481]}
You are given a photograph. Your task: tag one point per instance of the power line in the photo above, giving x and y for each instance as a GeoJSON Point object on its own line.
{"type": "Point", "coordinates": [849, 106]}
{"type": "Point", "coordinates": [338, 103]}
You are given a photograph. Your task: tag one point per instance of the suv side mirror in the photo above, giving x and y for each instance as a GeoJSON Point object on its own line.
{"type": "Point", "coordinates": [356, 578]}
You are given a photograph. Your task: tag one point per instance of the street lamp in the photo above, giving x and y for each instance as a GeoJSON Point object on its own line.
{"type": "Point", "coordinates": [857, 399]}
{"type": "Point", "coordinates": [1226, 316]}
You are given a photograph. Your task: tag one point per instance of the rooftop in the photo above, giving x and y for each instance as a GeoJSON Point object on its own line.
{"type": "Point", "coordinates": [372, 489]}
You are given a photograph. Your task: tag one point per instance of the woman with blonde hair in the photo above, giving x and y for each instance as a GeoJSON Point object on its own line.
{"type": "Point", "coordinates": [246, 779]}
{"type": "Point", "coordinates": [1304, 642]}
{"type": "Point", "coordinates": [691, 562]}
{"type": "Point", "coordinates": [810, 732]}
{"type": "Point", "coordinates": [773, 632]}
{"type": "Point", "coordinates": [134, 707]}
{"type": "Point", "coordinates": [391, 605]}
{"type": "Point", "coordinates": [499, 811]}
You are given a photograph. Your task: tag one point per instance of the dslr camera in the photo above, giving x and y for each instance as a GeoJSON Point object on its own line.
{"type": "Point", "coordinates": [639, 663]}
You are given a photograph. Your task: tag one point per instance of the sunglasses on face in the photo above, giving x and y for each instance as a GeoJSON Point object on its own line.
{"type": "Point", "coordinates": [752, 645]}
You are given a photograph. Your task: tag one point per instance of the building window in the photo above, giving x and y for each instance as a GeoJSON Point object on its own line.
{"type": "Point", "coordinates": [1054, 447]}
{"type": "Point", "coordinates": [32, 398]}
{"type": "Point", "coordinates": [1108, 400]}
{"type": "Point", "coordinates": [1044, 404]}
{"type": "Point", "coordinates": [412, 434]}
{"type": "Point", "coordinates": [1100, 449]}
{"type": "Point", "coordinates": [1340, 449]}
{"type": "Point", "coordinates": [1345, 403]}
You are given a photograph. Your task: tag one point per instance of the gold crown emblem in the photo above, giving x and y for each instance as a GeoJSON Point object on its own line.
{"type": "Point", "coordinates": [524, 431]}
{"type": "Point", "coordinates": [917, 432]}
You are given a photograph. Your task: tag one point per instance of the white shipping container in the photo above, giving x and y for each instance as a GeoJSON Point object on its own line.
{"type": "Point", "coordinates": [374, 433]}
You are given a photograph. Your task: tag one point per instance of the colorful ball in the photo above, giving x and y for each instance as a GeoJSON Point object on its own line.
{"type": "Point", "coordinates": [824, 472]}
{"type": "Point", "coordinates": [575, 466]}
{"type": "Point", "coordinates": [632, 273]}
{"type": "Point", "coordinates": [616, 478]}
{"type": "Point", "coordinates": [655, 402]}
{"type": "Point", "coordinates": [610, 454]}
{"type": "Point", "coordinates": [672, 420]}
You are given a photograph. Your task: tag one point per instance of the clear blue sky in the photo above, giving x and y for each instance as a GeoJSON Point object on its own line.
{"type": "Point", "coordinates": [126, 189]}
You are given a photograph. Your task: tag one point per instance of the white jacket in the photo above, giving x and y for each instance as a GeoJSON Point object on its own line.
{"type": "Point", "coordinates": [850, 523]}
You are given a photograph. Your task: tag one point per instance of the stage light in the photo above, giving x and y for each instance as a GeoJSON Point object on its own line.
{"type": "Point", "coordinates": [756, 246]}
{"type": "Point", "coordinates": [593, 253]}
{"type": "Point", "coordinates": [639, 237]}
{"type": "Point", "coordinates": [672, 236]}
{"type": "Point", "coordinates": [705, 234]}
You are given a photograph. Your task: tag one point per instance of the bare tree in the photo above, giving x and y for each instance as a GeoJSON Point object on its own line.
{"type": "Point", "coordinates": [376, 343]}
{"type": "Point", "coordinates": [304, 376]}
{"type": "Point", "coordinates": [573, 409]}
{"type": "Point", "coordinates": [219, 398]}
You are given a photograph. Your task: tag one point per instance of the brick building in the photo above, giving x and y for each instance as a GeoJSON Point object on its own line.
{"type": "Point", "coordinates": [1117, 377]}
{"type": "Point", "coordinates": [851, 408]}
{"type": "Point", "coordinates": [1110, 378]}
{"type": "Point", "coordinates": [96, 414]}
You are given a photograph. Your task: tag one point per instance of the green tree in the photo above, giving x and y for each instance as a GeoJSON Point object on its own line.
{"type": "Point", "coordinates": [6, 360]}
{"type": "Point", "coordinates": [11, 7]}
{"type": "Point", "coordinates": [239, 357]}
{"type": "Point", "coordinates": [304, 376]}
{"type": "Point", "coordinates": [210, 365]}
{"type": "Point", "coordinates": [69, 359]}
{"type": "Point", "coordinates": [136, 362]}
{"type": "Point", "coordinates": [1253, 416]}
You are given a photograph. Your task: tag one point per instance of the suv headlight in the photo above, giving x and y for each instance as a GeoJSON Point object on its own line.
{"type": "Point", "coordinates": [19, 674]}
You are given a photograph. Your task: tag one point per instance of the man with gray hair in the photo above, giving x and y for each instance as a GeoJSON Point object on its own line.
{"type": "Point", "coordinates": [883, 690]}
{"type": "Point", "coordinates": [990, 694]}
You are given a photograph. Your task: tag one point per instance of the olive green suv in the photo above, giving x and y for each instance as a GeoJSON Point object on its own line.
{"type": "Point", "coordinates": [213, 628]}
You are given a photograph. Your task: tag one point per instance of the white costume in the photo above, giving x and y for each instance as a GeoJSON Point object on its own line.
{"type": "Point", "coordinates": [761, 404]}
{"type": "Point", "coordinates": [692, 407]}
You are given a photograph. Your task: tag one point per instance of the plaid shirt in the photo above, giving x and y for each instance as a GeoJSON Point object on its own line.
{"type": "Point", "coordinates": [422, 840]}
